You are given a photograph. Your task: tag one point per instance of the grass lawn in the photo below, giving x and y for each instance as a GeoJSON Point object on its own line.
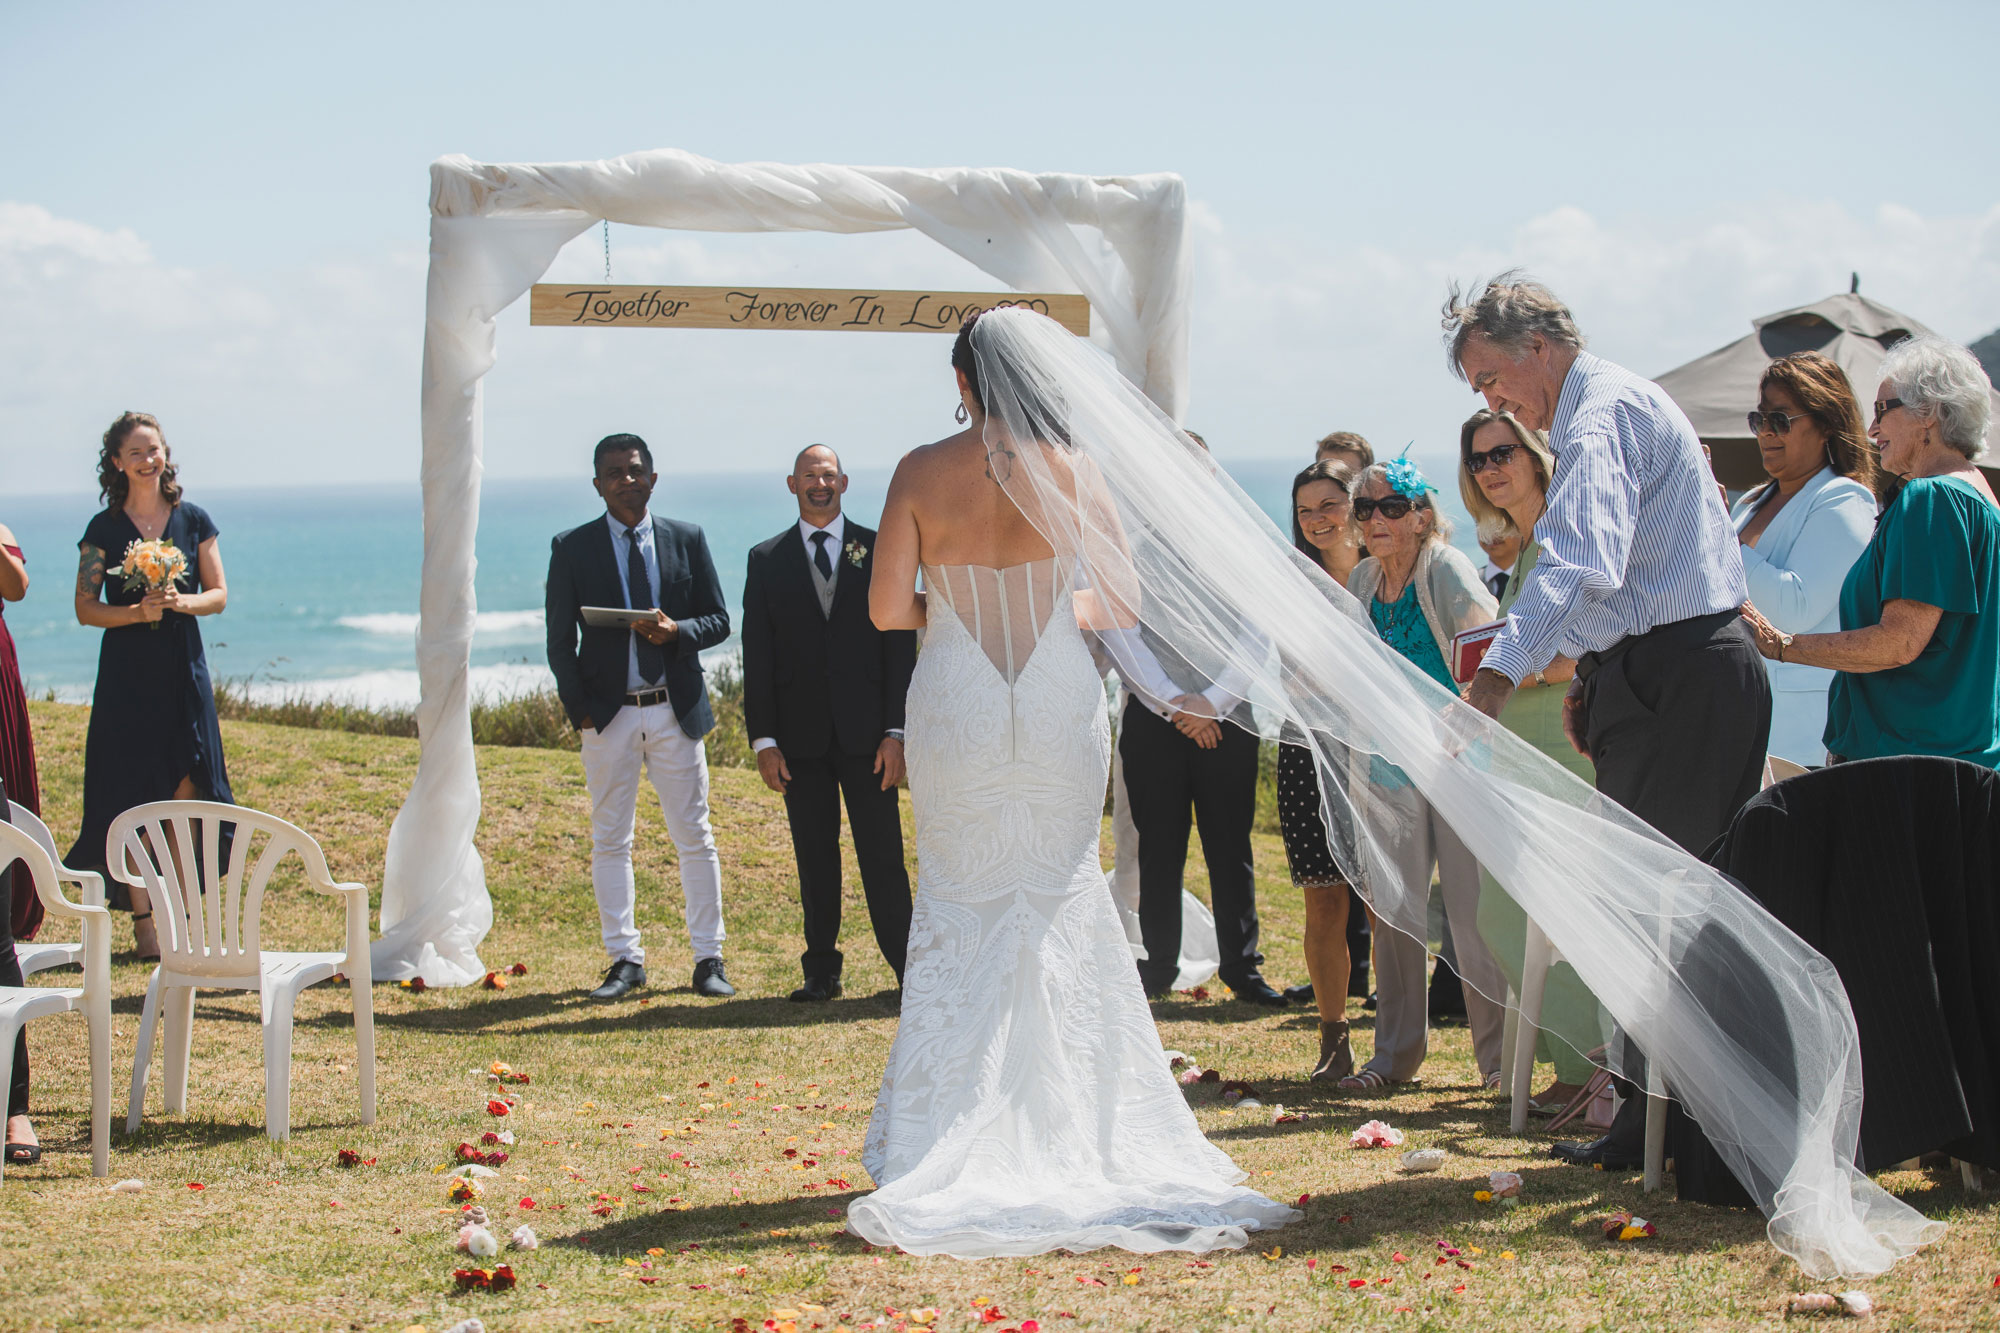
{"type": "Point", "coordinates": [690, 1161]}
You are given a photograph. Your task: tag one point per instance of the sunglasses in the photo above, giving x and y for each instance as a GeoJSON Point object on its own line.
{"type": "Point", "coordinates": [1780, 422]}
{"type": "Point", "coordinates": [1499, 455]}
{"type": "Point", "coordinates": [1391, 506]}
{"type": "Point", "coordinates": [1884, 406]}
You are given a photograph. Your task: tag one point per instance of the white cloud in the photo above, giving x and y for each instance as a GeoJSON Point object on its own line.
{"type": "Point", "coordinates": [309, 373]}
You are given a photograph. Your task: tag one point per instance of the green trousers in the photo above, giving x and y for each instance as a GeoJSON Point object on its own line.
{"type": "Point", "coordinates": [1572, 1020]}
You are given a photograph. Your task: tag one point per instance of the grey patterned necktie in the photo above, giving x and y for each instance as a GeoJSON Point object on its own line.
{"type": "Point", "coordinates": [639, 593]}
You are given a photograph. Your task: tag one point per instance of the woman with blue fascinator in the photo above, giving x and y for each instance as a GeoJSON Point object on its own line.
{"type": "Point", "coordinates": [1420, 591]}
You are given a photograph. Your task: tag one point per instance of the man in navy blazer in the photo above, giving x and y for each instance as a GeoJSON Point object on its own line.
{"type": "Point", "coordinates": [639, 701]}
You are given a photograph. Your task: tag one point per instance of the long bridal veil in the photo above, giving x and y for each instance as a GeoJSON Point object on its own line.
{"type": "Point", "coordinates": [1748, 1025]}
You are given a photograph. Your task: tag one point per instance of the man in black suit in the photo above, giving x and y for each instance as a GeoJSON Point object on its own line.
{"type": "Point", "coordinates": [823, 694]}
{"type": "Point", "coordinates": [638, 699]}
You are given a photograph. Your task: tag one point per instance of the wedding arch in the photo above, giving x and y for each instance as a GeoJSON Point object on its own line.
{"type": "Point", "coordinates": [1120, 241]}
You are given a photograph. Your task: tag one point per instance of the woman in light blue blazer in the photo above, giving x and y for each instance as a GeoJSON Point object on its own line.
{"type": "Point", "coordinates": [1802, 530]}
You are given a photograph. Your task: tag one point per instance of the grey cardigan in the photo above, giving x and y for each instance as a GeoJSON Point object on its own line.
{"type": "Point", "coordinates": [1448, 589]}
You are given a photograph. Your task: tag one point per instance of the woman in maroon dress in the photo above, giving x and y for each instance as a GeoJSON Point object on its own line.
{"type": "Point", "coordinates": [17, 777]}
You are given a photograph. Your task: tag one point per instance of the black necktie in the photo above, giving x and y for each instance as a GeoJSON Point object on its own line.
{"type": "Point", "coordinates": [820, 560]}
{"type": "Point", "coordinates": [1499, 584]}
{"type": "Point", "coordinates": [652, 657]}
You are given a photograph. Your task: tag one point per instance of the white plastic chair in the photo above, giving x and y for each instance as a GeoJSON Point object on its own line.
{"type": "Point", "coordinates": [209, 937]}
{"type": "Point", "coordinates": [20, 1004]}
{"type": "Point", "coordinates": [1519, 1043]}
{"type": "Point", "coordinates": [40, 956]}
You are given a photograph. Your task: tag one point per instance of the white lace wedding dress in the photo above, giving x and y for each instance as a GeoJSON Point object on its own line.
{"type": "Point", "coordinates": [1027, 1106]}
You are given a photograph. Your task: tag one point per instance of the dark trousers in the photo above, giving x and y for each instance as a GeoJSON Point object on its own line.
{"type": "Point", "coordinates": [10, 970]}
{"type": "Point", "coordinates": [1678, 719]}
{"type": "Point", "coordinates": [1677, 723]}
{"type": "Point", "coordinates": [1173, 784]}
{"type": "Point", "coordinates": [812, 806]}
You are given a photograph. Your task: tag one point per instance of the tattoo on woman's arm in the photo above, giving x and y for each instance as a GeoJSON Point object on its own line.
{"type": "Point", "coordinates": [89, 571]}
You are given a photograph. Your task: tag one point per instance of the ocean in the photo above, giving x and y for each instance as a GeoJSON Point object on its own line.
{"type": "Point", "coordinates": [323, 580]}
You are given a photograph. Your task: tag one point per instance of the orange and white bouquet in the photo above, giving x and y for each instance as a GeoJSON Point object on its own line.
{"type": "Point", "coordinates": [151, 566]}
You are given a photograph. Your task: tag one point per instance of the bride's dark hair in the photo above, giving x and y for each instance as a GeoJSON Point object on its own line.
{"type": "Point", "coordinates": [1047, 416]}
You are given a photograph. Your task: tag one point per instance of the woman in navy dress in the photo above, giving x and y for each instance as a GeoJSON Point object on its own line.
{"type": "Point", "coordinates": [153, 731]}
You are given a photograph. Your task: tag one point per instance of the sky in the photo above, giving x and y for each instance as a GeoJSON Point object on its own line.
{"type": "Point", "coordinates": [217, 213]}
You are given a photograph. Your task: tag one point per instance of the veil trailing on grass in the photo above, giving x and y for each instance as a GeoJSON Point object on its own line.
{"type": "Point", "coordinates": [1747, 1024]}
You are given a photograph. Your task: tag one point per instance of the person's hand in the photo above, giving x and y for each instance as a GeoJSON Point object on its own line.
{"type": "Point", "coordinates": [156, 603]}
{"type": "Point", "coordinates": [1489, 691]}
{"type": "Point", "coordinates": [1194, 718]}
{"type": "Point", "coordinates": [1769, 641]}
{"type": "Point", "coordinates": [889, 762]}
{"type": "Point", "coordinates": [1576, 718]}
{"type": "Point", "coordinates": [657, 630]}
{"type": "Point", "coordinates": [771, 767]}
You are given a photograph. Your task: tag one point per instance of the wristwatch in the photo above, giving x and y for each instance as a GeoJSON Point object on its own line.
{"type": "Point", "coordinates": [1540, 679]}
{"type": "Point", "coordinates": [1784, 642]}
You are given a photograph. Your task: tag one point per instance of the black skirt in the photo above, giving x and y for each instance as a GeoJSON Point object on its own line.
{"type": "Point", "coordinates": [1301, 820]}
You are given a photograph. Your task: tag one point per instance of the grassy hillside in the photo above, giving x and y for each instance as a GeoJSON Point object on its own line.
{"type": "Point", "coordinates": [657, 1136]}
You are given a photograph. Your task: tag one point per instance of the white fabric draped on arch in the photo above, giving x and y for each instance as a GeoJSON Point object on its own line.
{"type": "Point", "coordinates": [495, 229]}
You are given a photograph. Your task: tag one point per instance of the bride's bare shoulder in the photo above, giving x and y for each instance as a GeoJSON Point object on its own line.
{"type": "Point", "coordinates": [940, 463]}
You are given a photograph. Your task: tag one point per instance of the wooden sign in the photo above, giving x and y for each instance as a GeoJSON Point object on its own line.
{"type": "Point", "coordinates": [603, 305]}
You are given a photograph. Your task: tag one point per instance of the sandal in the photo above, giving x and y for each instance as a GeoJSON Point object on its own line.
{"type": "Point", "coordinates": [1364, 1080]}
{"type": "Point", "coordinates": [1493, 1081]}
{"type": "Point", "coordinates": [137, 917]}
{"type": "Point", "coordinates": [23, 1154]}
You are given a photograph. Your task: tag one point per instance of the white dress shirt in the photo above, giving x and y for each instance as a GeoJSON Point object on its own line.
{"type": "Point", "coordinates": [1144, 676]}
{"type": "Point", "coordinates": [836, 532]}
{"type": "Point", "coordinates": [635, 682]}
{"type": "Point", "coordinates": [1491, 572]}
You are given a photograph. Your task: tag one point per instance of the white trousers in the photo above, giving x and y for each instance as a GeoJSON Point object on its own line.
{"type": "Point", "coordinates": [651, 738]}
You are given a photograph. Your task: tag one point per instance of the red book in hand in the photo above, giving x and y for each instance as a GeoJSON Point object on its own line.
{"type": "Point", "coordinates": [1468, 648]}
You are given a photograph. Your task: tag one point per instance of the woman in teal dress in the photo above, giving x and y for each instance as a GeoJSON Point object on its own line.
{"type": "Point", "coordinates": [1503, 475]}
{"type": "Point", "coordinates": [1917, 655]}
{"type": "Point", "coordinates": [1419, 592]}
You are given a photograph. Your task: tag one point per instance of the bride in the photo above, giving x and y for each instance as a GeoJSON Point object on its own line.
{"type": "Point", "coordinates": [1027, 1105]}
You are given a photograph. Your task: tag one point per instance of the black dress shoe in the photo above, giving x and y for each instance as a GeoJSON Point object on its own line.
{"type": "Point", "coordinates": [1301, 994]}
{"type": "Point", "coordinates": [621, 979]}
{"type": "Point", "coordinates": [1254, 989]}
{"type": "Point", "coordinates": [817, 990]}
{"type": "Point", "coordinates": [1607, 1152]}
{"type": "Point", "coordinates": [711, 980]}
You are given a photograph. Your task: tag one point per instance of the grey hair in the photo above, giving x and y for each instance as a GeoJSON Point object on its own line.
{"type": "Point", "coordinates": [1940, 381]}
{"type": "Point", "coordinates": [1440, 525]}
{"type": "Point", "coordinates": [1492, 527]}
{"type": "Point", "coordinates": [1508, 310]}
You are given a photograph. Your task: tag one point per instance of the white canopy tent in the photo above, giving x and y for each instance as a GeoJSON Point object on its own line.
{"type": "Point", "coordinates": [1121, 241]}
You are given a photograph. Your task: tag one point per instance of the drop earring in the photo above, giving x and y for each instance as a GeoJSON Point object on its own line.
{"type": "Point", "coordinates": [960, 415]}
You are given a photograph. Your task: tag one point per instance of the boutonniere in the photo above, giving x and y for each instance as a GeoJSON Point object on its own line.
{"type": "Point", "coordinates": [855, 553]}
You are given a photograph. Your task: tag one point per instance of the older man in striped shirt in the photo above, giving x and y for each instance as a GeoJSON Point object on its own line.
{"type": "Point", "coordinates": [1639, 579]}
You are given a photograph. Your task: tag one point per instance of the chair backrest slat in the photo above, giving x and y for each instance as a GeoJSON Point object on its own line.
{"type": "Point", "coordinates": [210, 904]}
